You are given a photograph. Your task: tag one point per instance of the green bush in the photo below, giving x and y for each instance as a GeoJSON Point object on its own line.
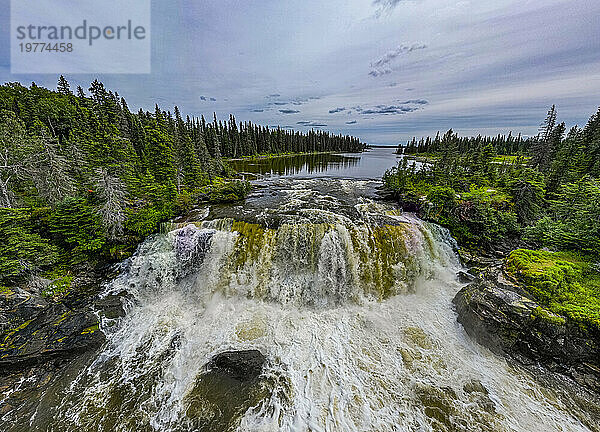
{"type": "Point", "coordinates": [22, 250]}
{"type": "Point", "coordinates": [184, 202]}
{"type": "Point", "coordinates": [528, 197]}
{"type": "Point", "coordinates": [147, 220]}
{"type": "Point", "coordinates": [573, 222]}
{"type": "Point", "coordinates": [77, 226]}
{"type": "Point", "coordinates": [443, 202]}
{"type": "Point", "coordinates": [222, 191]}
{"type": "Point", "coordinates": [479, 218]}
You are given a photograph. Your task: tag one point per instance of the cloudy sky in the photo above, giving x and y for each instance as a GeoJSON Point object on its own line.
{"type": "Point", "coordinates": [383, 70]}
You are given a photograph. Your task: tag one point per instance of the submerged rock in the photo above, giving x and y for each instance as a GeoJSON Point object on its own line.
{"type": "Point", "coordinates": [231, 384]}
{"type": "Point", "coordinates": [499, 315]}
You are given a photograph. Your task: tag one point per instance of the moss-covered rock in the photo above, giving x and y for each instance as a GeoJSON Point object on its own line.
{"type": "Point", "coordinates": [503, 315]}
{"type": "Point", "coordinates": [35, 329]}
{"type": "Point", "coordinates": [566, 283]}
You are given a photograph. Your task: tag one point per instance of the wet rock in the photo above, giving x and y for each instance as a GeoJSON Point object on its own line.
{"type": "Point", "coordinates": [464, 277]}
{"type": "Point", "coordinates": [231, 384]}
{"type": "Point", "coordinates": [35, 330]}
{"type": "Point", "coordinates": [476, 262]}
{"type": "Point", "coordinates": [498, 314]}
{"type": "Point", "coordinates": [191, 246]}
{"type": "Point", "coordinates": [239, 365]}
{"type": "Point", "coordinates": [110, 307]}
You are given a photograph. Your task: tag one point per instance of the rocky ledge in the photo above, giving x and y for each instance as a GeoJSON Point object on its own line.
{"type": "Point", "coordinates": [498, 313]}
{"type": "Point", "coordinates": [35, 329]}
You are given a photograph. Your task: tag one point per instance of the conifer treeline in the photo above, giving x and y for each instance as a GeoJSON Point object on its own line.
{"type": "Point", "coordinates": [548, 195]}
{"type": "Point", "coordinates": [163, 144]}
{"type": "Point", "coordinates": [501, 144]}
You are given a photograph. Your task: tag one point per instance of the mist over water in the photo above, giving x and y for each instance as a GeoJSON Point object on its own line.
{"type": "Point", "coordinates": [348, 299]}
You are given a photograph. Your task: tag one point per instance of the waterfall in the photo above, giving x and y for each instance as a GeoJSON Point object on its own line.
{"type": "Point", "coordinates": [352, 310]}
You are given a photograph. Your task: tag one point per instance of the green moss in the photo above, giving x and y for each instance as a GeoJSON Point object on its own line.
{"type": "Point", "coordinates": [60, 284]}
{"type": "Point", "coordinates": [7, 341]}
{"type": "Point", "coordinates": [543, 314]}
{"type": "Point", "coordinates": [566, 283]}
{"type": "Point", "coordinates": [91, 329]}
{"type": "Point", "coordinates": [6, 291]}
{"type": "Point", "coordinates": [250, 242]}
{"type": "Point", "coordinates": [380, 256]}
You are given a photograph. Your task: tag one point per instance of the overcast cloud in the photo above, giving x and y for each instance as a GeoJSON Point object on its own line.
{"type": "Point", "coordinates": [411, 67]}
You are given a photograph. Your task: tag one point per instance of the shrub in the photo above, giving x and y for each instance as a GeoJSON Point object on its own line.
{"type": "Point", "coordinates": [479, 218]}
{"type": "Point", "coordinates": [222, 191]}
{"type": "Point", "coordinates": [573, 222]}
{"type": "Point", "coordinates": [22, 249]}
{"type": "Point", "coordinates": [147, 220]}
{"type": "Point", "coordinates": [77, 226]}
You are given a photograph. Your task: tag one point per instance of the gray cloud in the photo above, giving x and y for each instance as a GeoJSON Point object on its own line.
{"type": "Point", "coordinates": [385, 5]}
{"type": "Point", "coordinates": [288, 111]}
{"type": "Point", "coordinates": [415, 102]}
{"type": "Point", "coordinates": [300, 101]}
{"type": "Point", "coordinates": [388, 110]}
{"type": "Point", "coordinates": [337, 110]}
{"type": "Point", "coordinates": [378, 72]}
{"type": "Point", "coordinates": [311, 124]}
{"type": "Point", "coordinates": [380, 67]}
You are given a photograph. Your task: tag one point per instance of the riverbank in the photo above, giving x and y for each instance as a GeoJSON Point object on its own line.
{"type": "Point", "coordinates": [276, 155]}
{"type": "Point", "coordinates": [498, 310]}
{"type": "Point", "coordinates": [536, 222]}
{"type": "Point", "coordinates": [500, 159]}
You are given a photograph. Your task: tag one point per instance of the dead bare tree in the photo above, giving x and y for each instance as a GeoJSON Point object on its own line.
{"type": "Point", "coordinates": [18, 154]}
{"type": "Point", "coordinates": [112, 194]}
{"type": "Point", "coordinates": [50, 174]}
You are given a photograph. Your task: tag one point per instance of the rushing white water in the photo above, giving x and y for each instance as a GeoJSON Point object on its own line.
{"type": "Point", "coordinates": [353, 314]}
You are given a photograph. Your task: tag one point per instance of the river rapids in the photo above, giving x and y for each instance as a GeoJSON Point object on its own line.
{"type": "Point", "coordinates": [348, 299]}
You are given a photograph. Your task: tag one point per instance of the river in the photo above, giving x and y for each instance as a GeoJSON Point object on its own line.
{"type": "Point", "coordinates": [348, 298]}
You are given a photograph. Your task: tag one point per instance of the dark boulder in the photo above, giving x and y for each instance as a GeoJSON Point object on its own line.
{"type": "Point", "coordinates": [239, 365]}
{"type": "Point", "coordinates": [498, 314]}
{"type": "Point", "coordinates": [231, 383]}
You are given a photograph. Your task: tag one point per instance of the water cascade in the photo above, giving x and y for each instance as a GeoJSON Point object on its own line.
{"type": "Point", "coordinates": [353, 316]}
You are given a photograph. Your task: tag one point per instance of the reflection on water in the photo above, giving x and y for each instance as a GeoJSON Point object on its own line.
{"type": "Point", "coordinates": [371, 164]}
{"type": "Point", "coordinates": [316, 163]}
